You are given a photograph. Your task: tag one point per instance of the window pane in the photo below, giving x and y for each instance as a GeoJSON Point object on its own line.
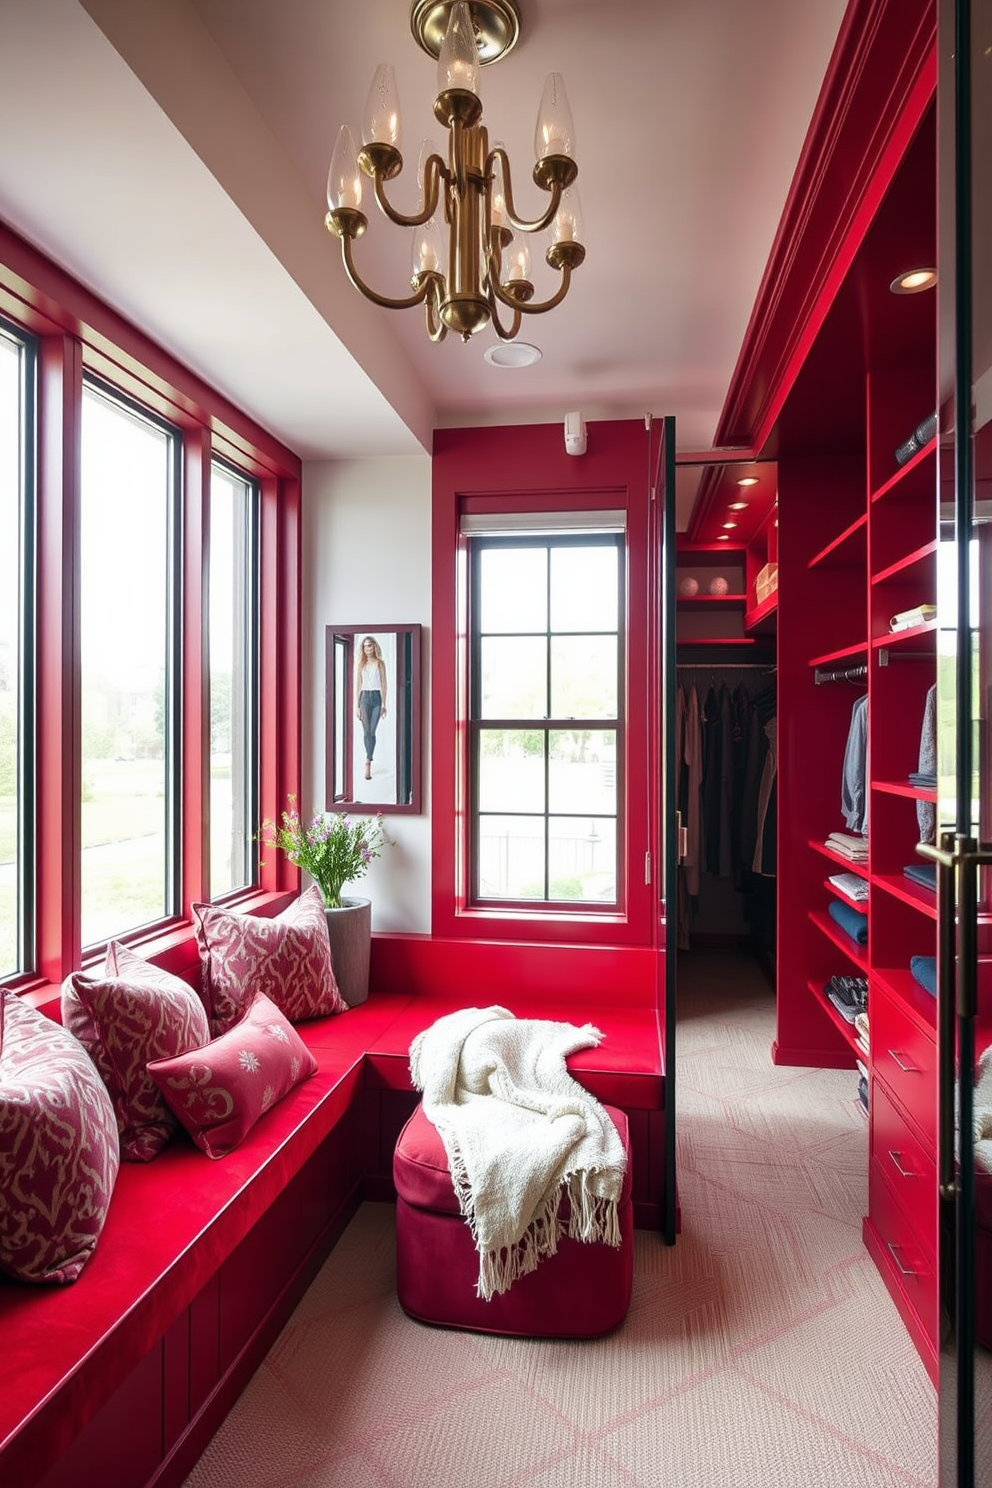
{"type": "Point", "coordinates": [582, 858]}
{"type": "Point", "coordinates": [12, 505]}
{"type": "Point", "coordinates": [511, 857]}
{"type": "Point", "coordinates": [584, 676]}
{"type": "Point", "coordinates": [582, 771]}
{"type": "Point", "coordinates": [584, 588]}
{"type": "Point", "coordinates": [511, 770]}
{"type": "Point", "coordinates": [514, 584]}
{"type": "Point", "coordinates": [514, 677]}
{"type": "Point", "coordinates": [232, 589]}
{"type": "Point", "coordinates": [124, 581]}
{"type": "Point", "coordinates": [568, 670]}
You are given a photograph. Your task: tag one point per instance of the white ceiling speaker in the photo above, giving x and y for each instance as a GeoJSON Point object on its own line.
{"type": "Point", "coordinates": [575, 434]}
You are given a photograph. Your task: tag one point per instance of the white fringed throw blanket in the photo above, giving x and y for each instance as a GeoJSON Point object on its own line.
{"type": "Point", "coordinates": [519, 1133]}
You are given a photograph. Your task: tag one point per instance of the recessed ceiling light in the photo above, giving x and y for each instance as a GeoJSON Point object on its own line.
{"type": "Point", "coordinates": [511, 354]}
{"type": "Point", "coordinates": [730, 524]}
{"type": "Point", "coordinates": [723, 537]}
{"type": "Point", "coordinates": [748, 480]}
{"type": "Point", "coordinates": [913, 281]}
{"type": "Point", "coordinates": [737, 506]}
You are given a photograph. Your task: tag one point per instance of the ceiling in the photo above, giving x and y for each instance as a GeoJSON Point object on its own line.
{"type": "Point", "coordinates": [173, 156]}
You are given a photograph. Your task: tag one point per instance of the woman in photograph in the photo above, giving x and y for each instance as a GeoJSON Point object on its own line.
{"type": "Point", "coordinates": [370, 694]}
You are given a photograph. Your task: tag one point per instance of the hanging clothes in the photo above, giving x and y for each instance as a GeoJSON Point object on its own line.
{"type": "Point", "coordinates": [694, 767]}
{"type": "Point", "coordinates": [712, 754]}
{"type": "Point", "coordinates": [854, 777]}
{"type": "Point", "coordinates": [764, 861]}
{"type": "Point", "coordinates": [926, 811]}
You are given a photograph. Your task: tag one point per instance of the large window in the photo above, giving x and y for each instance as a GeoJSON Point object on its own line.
{"type": "Point", "coordinates": [233, 587]}
{"type": "Point", "coordinates": [16, 506]}
{"type": "Point", "coordinates": [127, 625]}
{"type": "Point", "coordinates": [546, 718]}
{"type": "Point", "coordinates": [149, 638]}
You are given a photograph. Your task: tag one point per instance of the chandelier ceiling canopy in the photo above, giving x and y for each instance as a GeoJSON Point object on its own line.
{"type": "Point", "coordinates": [470, 256]}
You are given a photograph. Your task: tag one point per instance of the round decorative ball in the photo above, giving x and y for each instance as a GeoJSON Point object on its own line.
{"type": "Point", "coordinates": [719, 585]}
{"type": "Point", "coordinates": [688, 586]}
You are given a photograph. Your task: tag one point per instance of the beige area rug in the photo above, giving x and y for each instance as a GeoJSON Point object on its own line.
{"type": "Point", "coordinates": [762, 1351]}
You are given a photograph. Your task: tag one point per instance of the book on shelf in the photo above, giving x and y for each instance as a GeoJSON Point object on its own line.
{"type": "Point", "coordinates": [908, 619]}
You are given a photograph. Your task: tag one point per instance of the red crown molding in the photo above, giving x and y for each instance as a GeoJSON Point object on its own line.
{"type": "Point", "coordinates": [881, 77]}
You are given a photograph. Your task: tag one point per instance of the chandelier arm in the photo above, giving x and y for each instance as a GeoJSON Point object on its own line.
{"type": "Point", "coordinates": [539, 309]}
{"type": "Point", "coordinates": [419, 293]}
{"type": "Point", "coordinates": [434, 169]}
{"type": "Point", "coordinates": [502, 333]}
{"type": "Point", "coordinates": [520, 223]}
{"type": "Point", "coordinates": [436, 329]}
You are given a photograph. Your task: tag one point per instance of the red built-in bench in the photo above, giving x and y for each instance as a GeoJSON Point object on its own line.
{"type": "Point", "coordinates": [124, 1376]}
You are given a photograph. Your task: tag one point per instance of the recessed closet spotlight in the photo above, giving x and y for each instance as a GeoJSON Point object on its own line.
{"type": "Point", "coordinates": [748, 480]}
{"type": "Point", "coordinates": [914, 281]}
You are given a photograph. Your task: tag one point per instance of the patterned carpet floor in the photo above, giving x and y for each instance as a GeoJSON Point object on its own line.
{"type": "Point", "coordinates": [762, 1351]}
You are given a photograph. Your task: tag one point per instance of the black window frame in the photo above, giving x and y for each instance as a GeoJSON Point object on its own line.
{"type": "Point", "coordinates": [546, 539]}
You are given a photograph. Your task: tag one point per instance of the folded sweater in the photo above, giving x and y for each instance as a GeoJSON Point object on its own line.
{"type": "Point", "coordinates": [851, 921]}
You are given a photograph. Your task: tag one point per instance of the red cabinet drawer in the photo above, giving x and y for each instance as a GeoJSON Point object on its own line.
{"type": "Point", "coordinates": [907, 1164]}
{"type": "Point", "coordinates": [910, 1267]}
{"type": "Point", "coordinates": [905, 1057]}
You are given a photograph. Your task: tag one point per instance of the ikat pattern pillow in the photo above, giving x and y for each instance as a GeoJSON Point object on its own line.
{"type": "Point", "coordinates": [132, 1013]}
{"type": "Point", "coordinates": [220, 1091]}
{"type": "Point", "coordinates": [59, 1151]}
{"type": "Point", "coordinates": [287, 958]}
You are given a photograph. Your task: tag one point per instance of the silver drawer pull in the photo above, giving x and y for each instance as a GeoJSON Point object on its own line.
{"type": "Point", "coordinates": [903, 1270]}
{"type": "Point", "coordinates": [907, 1069]}
{"type": "Point", "coordinates": [903, 1172]}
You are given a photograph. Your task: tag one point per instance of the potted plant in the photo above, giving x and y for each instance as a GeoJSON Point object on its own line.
{"type": "Point", "coordinates": [335, 850]}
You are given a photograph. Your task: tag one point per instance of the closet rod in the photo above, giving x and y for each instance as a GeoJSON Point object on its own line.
{"type": "Point", "coordinates": [725, 666]}
{"type": "Point", "coordinates": [846, 674]}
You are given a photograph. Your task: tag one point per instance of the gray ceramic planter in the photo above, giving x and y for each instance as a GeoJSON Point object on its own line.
{"type": "Point", "coordinates": [350, 932]}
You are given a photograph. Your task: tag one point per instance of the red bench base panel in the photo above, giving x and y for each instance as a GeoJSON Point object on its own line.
{"type": "Point", "coordinates": [157, 1423]}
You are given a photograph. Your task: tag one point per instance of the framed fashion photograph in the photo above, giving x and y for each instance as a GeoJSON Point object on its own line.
{"type": "Point", "coordinates": [372, 696]}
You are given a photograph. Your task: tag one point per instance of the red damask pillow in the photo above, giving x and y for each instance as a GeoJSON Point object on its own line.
{"type": "Point", "coordinates": [288, 958]}
{"type": "Point", "coordinates": [59, 1151]}
{"type": "Point", "coordinates": [220, 1091]}
{"type": "Point", "coordinates": [132, 1013]}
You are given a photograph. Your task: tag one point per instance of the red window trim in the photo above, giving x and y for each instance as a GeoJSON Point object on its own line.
{"type": "Point", "coordinates": [526, 469]}
{"type": "Point", "coordinates": [78, 334]}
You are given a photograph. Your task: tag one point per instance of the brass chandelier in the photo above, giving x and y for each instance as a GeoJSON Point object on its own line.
{"type": "Point", "coordinates": [482, 262]}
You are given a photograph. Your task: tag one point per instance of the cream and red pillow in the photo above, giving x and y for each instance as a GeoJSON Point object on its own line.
{"type": "Point", "coordinates": [132, 1013]}
{"type": "Point", "coordinates": [59, 1150]}
{"type": "Point", "coordinates": [288, 958]}
{"type": "Point", "coordinates": [220, 1091]}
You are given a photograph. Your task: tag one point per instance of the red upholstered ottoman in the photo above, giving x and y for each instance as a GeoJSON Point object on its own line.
{"type": "Point", "coordinates": [581, 1292]}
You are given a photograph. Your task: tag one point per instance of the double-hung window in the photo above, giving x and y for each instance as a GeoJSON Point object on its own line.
{"type": "Point", "coordinates": [233, 635]}
{"type": "Point", "coordinates": [128, 617]}
{"type": "Point", "coordinates": [546, 718]}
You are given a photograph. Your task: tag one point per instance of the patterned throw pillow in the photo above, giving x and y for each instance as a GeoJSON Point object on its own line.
{"type": "Point", "coordinates": [220, 1091]}
{"type": "Point", "coordinates": [288, 958]}
{"type": "Point", "coordinates": [132, 1013]}
{"type": "Point", "coordinates": [58, 1148]}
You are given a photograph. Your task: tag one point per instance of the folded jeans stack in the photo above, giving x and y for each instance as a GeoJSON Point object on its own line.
{"type": "Point", "coordinates": [849, 995]}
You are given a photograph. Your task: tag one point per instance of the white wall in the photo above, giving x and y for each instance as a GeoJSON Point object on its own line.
{"type": "Point", "coordinates": [367, 561]}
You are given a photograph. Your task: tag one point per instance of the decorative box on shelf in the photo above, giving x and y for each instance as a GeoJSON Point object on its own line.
{"type": "Point", "coordinates": [766, 582]}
